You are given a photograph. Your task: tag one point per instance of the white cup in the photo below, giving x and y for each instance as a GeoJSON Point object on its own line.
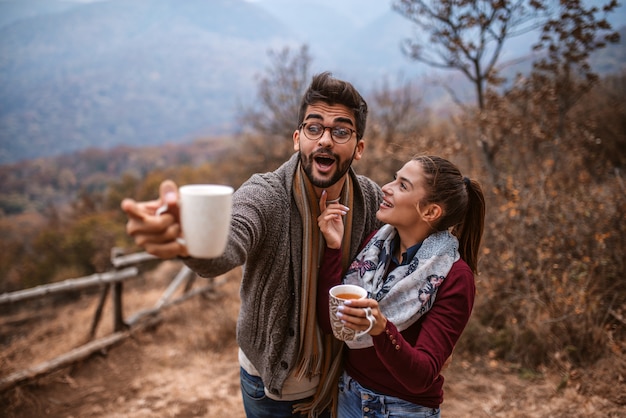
{"type": "Point", "coordinates": [338, 295]}
{"type": "Point", "coordinates": [205, 211]}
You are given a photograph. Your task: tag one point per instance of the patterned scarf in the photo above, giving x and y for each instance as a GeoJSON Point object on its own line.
{"type": "Point", "coordinates": [319, 354]}
{"type": "Point", "coordinates": [409, 290]}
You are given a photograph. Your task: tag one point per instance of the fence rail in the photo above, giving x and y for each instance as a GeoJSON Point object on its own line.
{"type": "Point", "coordinates": [124, 268]}
{"type": "Point", "coordinates": [68, 285]}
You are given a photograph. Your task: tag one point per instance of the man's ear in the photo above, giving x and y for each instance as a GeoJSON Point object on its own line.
{"type": "Point", "coordinates": [296, 140]}
{"type": "Point", "coordinates": [358, 152]}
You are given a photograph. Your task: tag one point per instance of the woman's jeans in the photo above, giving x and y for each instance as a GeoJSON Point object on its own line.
{"type": "Point", "coordinates": [355, 401]}
{"type": "Point", "coordinates": [257, 405]}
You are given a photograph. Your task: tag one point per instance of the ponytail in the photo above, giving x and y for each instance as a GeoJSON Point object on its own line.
{"type": "Point", "coordinates": [463, 202]}
{"type": "Point", "coordinates": [470, 231]}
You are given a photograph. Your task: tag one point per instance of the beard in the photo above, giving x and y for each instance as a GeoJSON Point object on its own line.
{"type": "Point", "coordinates": [342, 168]}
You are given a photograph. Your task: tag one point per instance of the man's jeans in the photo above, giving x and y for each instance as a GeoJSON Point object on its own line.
{"type": "Point", "coordinates": [257, 405]}
{"type": "Point", "coordinates": [355, 401]}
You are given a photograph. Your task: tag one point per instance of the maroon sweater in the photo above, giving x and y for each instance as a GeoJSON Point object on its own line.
{"type": "Point", "coordinates": [406, 364]}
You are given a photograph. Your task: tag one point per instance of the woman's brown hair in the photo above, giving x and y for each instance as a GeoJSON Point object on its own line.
{"type": "Point", "coordinates": [462, 202]}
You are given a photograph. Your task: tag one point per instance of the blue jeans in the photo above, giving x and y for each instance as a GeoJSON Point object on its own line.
{"type": "Point", "coordinates": [257, 405]}
{"type": "Point", "coordinates": [355, 401]}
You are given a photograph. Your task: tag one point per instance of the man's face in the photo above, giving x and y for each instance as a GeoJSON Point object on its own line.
{"type": "Point", "coordinates": [324, 161]}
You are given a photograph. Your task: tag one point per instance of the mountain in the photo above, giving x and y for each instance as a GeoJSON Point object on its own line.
{"type": "Point", "coordinates": [79, 74]}
{"type": "Point", "coordinates": [128, 72]}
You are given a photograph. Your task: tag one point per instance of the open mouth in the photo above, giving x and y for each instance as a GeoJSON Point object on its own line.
{"type": "Point", "coordinates": [386, 204]}
{"type": "Point", "coordinates": [324, 161]}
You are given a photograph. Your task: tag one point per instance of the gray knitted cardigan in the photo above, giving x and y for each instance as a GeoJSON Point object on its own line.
{"type": "Point", "coordinates": [266, 238]}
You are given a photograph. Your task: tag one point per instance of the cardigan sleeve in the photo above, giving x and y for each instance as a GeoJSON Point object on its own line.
{"type": "Point", "coordinates": [256, 204]}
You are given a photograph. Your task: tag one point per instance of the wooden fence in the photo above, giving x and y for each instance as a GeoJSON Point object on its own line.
{"type": "Point", "coordinates": [124, 268]}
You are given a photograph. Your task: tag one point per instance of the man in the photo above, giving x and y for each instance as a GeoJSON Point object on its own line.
{"type": "Point", "coordinates": [284, 357]}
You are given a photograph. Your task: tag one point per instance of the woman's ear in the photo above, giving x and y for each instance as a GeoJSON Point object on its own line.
{"type": "Point", "coordinates": [432, 213]}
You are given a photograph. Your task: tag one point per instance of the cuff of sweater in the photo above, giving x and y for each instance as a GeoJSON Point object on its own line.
{"type": "Point", "coordinates": [333, 251]}
{"type": "Point", "coordinates": [390, 338]}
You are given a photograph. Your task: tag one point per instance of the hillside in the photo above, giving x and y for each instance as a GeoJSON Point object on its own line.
{"type": "Point", "coordinates": [40, 184]}
{"type": "Point", "coordinates": [133, 73]}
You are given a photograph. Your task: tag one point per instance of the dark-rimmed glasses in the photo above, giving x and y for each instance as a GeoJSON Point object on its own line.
{"type": "Point", "coordinates": [315, 130]}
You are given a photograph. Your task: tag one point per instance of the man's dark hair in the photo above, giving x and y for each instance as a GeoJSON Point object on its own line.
{"type": "Point", "coordinates": [325, 88]}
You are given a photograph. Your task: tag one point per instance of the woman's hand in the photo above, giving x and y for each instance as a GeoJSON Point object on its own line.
{"type": "Point", "coordinates": [156, 232]}
{"type": "Point", "coordinates": [330, 221]}
{"type": "Point", "coordinates": [353, 315]}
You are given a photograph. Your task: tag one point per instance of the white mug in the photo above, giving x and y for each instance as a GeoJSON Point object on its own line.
{"type": "Point", "coordinates": [338, 295]}
{"type": "Point", "coordinates": [205, 211]}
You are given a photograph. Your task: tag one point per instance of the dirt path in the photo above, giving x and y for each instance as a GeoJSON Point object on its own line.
{"type": "Point", "coordinates": [187, 367]}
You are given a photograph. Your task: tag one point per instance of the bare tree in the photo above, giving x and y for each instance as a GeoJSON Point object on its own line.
{"type": "Point", "coordinates": [270, 123]}
{"type": "Point", "coordinates": [466, 35]}
{"type": "Point", "coordinates": [279, 91]}
{"type": "Point", "coordinates": [396, 112]}
{"type": "Point", "coordinates": [568, 39]}
{"type": "Point", "coordinates": [560, 78]}
{"type": "Point", "coordinates": [396, 109]}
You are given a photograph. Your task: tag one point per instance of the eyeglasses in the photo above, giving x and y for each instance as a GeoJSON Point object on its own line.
{"type": "Point", "coordinates": [314, 131]}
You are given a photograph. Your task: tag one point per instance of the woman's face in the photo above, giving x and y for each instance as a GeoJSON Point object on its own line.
{"type": "Point", "coordinates": [400, 206]}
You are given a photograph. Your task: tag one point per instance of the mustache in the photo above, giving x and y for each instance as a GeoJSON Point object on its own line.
{"type": "Point", "coordinates": [324, 153]}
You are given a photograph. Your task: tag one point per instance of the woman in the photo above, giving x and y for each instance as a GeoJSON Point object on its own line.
{"type": "Point", "coordinates": [418, 270]}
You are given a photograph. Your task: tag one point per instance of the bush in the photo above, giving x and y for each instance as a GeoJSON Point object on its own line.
{"type": "Point", "coordinates": [554, 245]}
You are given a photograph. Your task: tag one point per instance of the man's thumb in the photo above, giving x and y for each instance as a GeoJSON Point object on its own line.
{"type": "Point", "coordinates": [168, 192]}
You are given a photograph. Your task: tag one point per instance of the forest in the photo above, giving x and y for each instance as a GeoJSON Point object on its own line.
{"type": "Point", "coordinates": [549, 151]}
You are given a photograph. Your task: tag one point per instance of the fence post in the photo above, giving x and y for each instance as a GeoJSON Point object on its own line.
{"type": "Point", "coordinates": [117, 289]}
{"type": "Point", "coordinates": [98, 314]}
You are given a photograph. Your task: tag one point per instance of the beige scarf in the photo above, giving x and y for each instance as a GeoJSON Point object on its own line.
{"type": "Point", "coordinates": [319, 354]}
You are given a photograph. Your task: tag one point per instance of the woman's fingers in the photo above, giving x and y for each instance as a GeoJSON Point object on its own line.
{"type": "Point", "coordinates": [355, 317]}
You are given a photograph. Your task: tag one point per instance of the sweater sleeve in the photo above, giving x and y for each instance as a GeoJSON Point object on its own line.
{"type": "Point", "coordinates": [329, 275]}
{"type": "Point", "coordinates": [256, 204]}
{"type": "Point", "coordinates": [416, 366]}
